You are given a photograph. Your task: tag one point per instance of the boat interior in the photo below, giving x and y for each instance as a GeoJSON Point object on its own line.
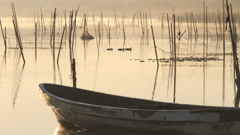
{"type": "Point", "coordinates": [97, 98]}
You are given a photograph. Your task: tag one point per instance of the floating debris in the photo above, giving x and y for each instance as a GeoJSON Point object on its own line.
{"type": "Point", "coordinates": [120, 49]}
{"type": "Point", "coordinates": [217, 54]}
{"type": "Point", "coordinates": [109, 49]}
{"type": "Point", "coordinates": [125, 49]}
{"type": "Point", "coordinates": [196, 59]}
{"type": "Point", "coordinates": [128, 49]}
{"type": "Point", "coordinates": [166, 61]}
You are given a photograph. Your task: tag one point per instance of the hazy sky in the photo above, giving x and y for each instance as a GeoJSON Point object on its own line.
{"type": "Point", "coordinates": [30, 7]}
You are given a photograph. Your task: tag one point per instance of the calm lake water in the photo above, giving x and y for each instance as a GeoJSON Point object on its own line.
{"type": "Point", "coordinates": [127, 73]}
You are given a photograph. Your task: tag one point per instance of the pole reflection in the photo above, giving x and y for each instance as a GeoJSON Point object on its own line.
{"type": "Point", "coordinates": [72, 130]}
{"type": "Point", "coordinates": [68, 130]}
{"type": "Point", "coordinates": [155, 82]}
{"type": "Point", "coordinates": [17, 80]}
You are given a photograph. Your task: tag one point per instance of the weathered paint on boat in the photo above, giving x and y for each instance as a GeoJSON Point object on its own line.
{"type": "Point", "coordinates": [99, 111]}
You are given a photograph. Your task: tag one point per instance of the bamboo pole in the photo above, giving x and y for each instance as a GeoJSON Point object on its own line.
{"type": "Point", "coordinates": [18, 40]}
{"type": "Point", "coordinates": [141, 22]}
{"type": "Point", "coordinates": [109, 33]}
{"type": "Point", "coordinates": [162, 20]}
{"type": "Point", "coordinates": [101, 25]}
{"type": "Point", "coordinates": [50, 30]}
{"type": "Point", "coordinates": [233, 25]}
{"type": "Point", "coordinates": [106, 31]}
{"type": "Point", "coordinates": [192, 25]}
{"type": "Point", "coordinates": [223, 37]}
{"type": "Point", "coordinates": [216, 29]}
{"type": "Point", "coordinates": [35, 41]}
{"type": "Point", "coordinates": [155, 48]}
{"type": "Point", "coordinates": [238, 19]}
{"type": "Point", "coordinates": [53, 33]}
{"type": "Point", "coordinates": [60, 44]}
{"type": "Point", "coordinates": [70, 35]}
{"type": "Point", "coordinates": [207, 32]}
{"type": "Point", "coordinates": [172, 41]}
{"type": "Point", "coordinates": [196, 32]}
{"type": "Point", "coordinates": [188, 26]}
{"type": "Point", "coordinates": [17, 32]}
{"type": "Point", "coordinates": [3, 35]}
{"type": "Point", "coordinates": [204, 28]}
{"type": "Point", "coordinates": [74, 28]}
{"type": "Point", "coordinates": [65, 18]}
{"type": "Point", "coordinates": [115, 15]}
{"type": "Point", "coordinates": [133, 20]}
{"type": "Point", "coordinates": [175, 57]}
{"type": "Point", "coordinates": [220, 25]}
{"type": "Point", "coordinates": [234, 50]}
{"type": "Point", "coordinates": [146, 21]}
{"type": "Point", "coordinates": [169, 34]}
{"type": "Point", "coordinates": [124, 36]}
{"type": "Point", "coordinates": [181, 35]}
{"type": "Point", "coordinates": [99, 33]}
{"type": "Point", "coordinates": [73, 66]}
{"type": "Point", "coordinates": [16, 22]}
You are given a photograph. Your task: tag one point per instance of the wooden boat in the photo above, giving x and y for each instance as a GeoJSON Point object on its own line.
{"type": "Point", "coordinates": [104, 112]}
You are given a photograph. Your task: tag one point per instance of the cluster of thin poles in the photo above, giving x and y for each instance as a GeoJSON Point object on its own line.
{"type": "Point", "coordinates": [17, 32]}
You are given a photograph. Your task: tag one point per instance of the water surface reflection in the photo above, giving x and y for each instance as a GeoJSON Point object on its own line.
{"type": "Point", "coordinates": [71, 130]}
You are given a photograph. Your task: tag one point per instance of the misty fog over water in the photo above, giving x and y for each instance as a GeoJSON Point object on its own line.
{"type": "Point", "coordinates": [30, 7]}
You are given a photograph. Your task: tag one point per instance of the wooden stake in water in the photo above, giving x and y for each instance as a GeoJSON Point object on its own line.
{"type": "Point", "coordinates": [35, 41]}
{"type": "Point", "coordinates": [115, 15]}
{"type": "Point", "coordinates": [206, 32]}
{"type": "Point", "coordinates": [223, 37]}
{"type": "Point", "coordinates": [234, 48]}
{"type": "Point", "coordinates": [141, 22]}
{"type": "Point", "coordinates": [220, 25]}
{"type": "Point", "coordinates": [188, 26]}
{"type": "Point", "coordinates": [60, 45]}
{"type": "Point", "coordinates": [17, 32]}
{"type": "Point", "coordinates": [196, 31]}
{"type": "Point", "coordinates": [53, 33]}
{"type": "Point", "coordinates": [107, 31]}
{"type": "Point", "coordinates": [181, 35]}
{"type": "Point", "coordinates": [169, 34]}
{"type": "Point", "coordinates": [175, 57]}
{"type": "Point", "coordinates": [102, 24]}
{"type": "Point", "coordinates": [216, 29]}
{"type": "Point", "coordinates": [3, 35]}
{"type": "Point", "coordinates": [155, 47]}
{"type": "Point", "coordinates": [124, 36]}
{"type": "Point", "coordinates": [172, 50]}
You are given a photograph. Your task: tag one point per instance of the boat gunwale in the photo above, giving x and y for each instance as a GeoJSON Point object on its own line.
{"type": "Point", "coordinates": [210, 108]}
